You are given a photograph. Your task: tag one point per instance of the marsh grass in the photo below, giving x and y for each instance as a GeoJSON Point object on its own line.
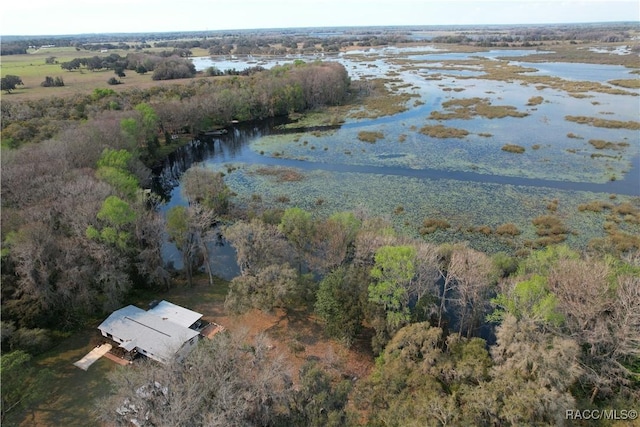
{"type": "Point", "coordinates": [502, 70]}
{"type": "Point", "coordinates": [550, 229]}
{"type": "Point", "coordinates": [508, 229]}
{"type": "Point", "coordinates": [595, 206]}
{"type": "Point", "coordinates": [535, 100]}
{"type": "Point", "coordinates": [430, 225]}
{"type": "Point", "coordinates": [381, 101]}
{"type": "Point", "coordinates": [626, 83]}
{"type": "Point", "coordinates": [370, 136]}
{"type": "Point", "coordinates": [604, 123]}
{"type": "Point", "coordinates": [440, 131]}
{"type": "Point", "coordinates": [513, 148]}
{"type": "Point", "coordinates": [281, 174]}
{"type": "Point", "coordinates": [466, 108]}
{"type": "Point", "coordinates": [600, 144]}
{"type": "Point", "coordinates": [565, 52]}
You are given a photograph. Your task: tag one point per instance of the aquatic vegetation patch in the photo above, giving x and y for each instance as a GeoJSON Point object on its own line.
{"type": "Point", "coordinates": [621, 225]}
{"type": "Point", "coordinates": [430, 225]}
{"type": "Point", "coordinates": [466, 108]}
{"type": "Point", "coordinates": [604, 123]}
{"type": "Point", "coordinates": [370, 136]}
{"type": "Point", "coordinates": [595, 206]}
{"type": "Point", "coordinates": [574, 136]}
{"type": "Point", "coordinates": [381, 101]}
{"type": "Point", "coordinates": [626, 83]}
{"type": "Point", "coordinates": [535, 100]}
{"type": "Point", "coordinates": [504, 71]}
{"type": "Point", "coordinates": [440, 131]}
{"type": "Point", "coordinates": [506, 209]}
{"type": "Point", "coordinates": [281, 174]}
{"type": "Point", "coordinates": [601, 144]}
{"type": "Point", "coordinates": [513, 148]}
{"type": "Point", "coordinates": [508, 229]}
{"type": "Point", "coordinates": [332, 116]}
{"type": "Point", "coordinates": [550, 229]}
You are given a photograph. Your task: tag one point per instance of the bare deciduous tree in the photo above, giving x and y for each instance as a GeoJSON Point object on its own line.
{"type": "Point", "coordinates": [223, 382]}
{"type": "Point", "coordinates": [258, 245]}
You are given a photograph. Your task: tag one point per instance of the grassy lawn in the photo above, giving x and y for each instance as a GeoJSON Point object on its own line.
{"type": "Point", "coordinates": [70, 396]}
{"type": "Point", "coordinates": [32, 69]}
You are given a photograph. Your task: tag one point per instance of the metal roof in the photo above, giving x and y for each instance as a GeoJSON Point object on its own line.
{"type": "Point", "coordinates": [159, 338]}
{"type": "Point", "coordinates": [180, 315]}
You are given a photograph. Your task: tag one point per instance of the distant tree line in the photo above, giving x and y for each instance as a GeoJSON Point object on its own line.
{"type": "Point", "coordinates": [277, 42]}
{"type": "Point", "coordinates": [534, 35]}
{"type": "Point", "coordinates": [165, 66]}
{"type": "Point", "coordinates": [191, 107]}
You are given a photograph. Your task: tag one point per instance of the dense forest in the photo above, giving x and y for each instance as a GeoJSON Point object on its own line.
{"type": "Point", "coordinates": [460, 337]}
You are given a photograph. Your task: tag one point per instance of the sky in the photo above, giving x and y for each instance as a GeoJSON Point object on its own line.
{"type": "Point", "coordinates": [57, 17]}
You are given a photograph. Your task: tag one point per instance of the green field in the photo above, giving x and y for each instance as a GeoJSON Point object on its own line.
{"type": "Point", "coordinates": [32, 69]}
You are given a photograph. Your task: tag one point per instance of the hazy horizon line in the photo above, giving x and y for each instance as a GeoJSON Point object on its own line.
{"type": "Point", "coordinates": [423, 26]}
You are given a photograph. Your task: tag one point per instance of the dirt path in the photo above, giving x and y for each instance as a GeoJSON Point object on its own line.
{"type": "Point", "coordinates": [296, 336]}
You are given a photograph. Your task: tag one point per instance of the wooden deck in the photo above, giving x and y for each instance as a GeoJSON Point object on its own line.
{"type": "Point", "coordinates": [118, 360]}
{"type": "Point", "coordinates": [211, 330]}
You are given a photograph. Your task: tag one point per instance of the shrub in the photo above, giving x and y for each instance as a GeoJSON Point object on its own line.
{"type": "Point", "coordinates": [509, 229]}
{"type": "Point", "coordinates": [430, 225]}
{"type": "Point", "coordinates": [594, 206]}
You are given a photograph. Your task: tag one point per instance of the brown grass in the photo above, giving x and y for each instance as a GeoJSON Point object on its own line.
{"type": "Point", "coordinates": [501, 70]}
{"type": "Point", "coordinates": [600, 144]}
{"type": "Point", "coordinates": [380, 101]}
{"type": "Point", "coordinates": [551, 228]}
{"type": "Point", "coordinates": [603, 123]}
{"type": "Point", "coordinates": [440, 131]}
{"type": "Point", "coordinates": [513, 148]}
{"type": "Point", "coordinates": [535, 100]}
{"type": "Point", "coordinates": [627, 83]}
{"type": "Point", "coordinates": [281, 174]}
{"type": "Point", "coordinates": [574, 136]}
{"type": "Point", "coordinates": [467, 108]}
{"type": "Point", "coordinates": [369, 136]}
{"type": "Point", "coordinates": [483, 229]}
{"type": "Point", "coordinates": [594, 206]}
{"type": "Point", "coordinates": [508, 229]}
{"type": "Point", "coordinates": [430, 225]}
